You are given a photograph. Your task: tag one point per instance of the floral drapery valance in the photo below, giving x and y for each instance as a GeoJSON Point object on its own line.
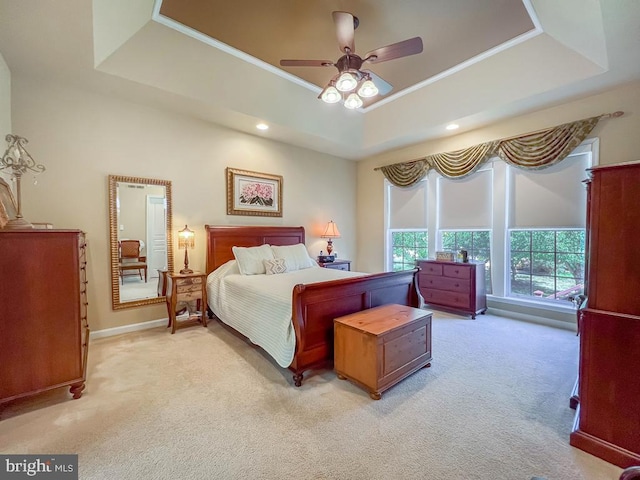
{"type": "Point", "coordinates": [530, 151]}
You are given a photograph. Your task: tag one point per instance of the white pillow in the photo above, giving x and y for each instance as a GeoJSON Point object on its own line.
{"type": "Point", "coordinates": [295, 257]}
{"type": "Point", "coordinates": [250, 259]}
{"type": "Point", "coordinates": [275, 266]}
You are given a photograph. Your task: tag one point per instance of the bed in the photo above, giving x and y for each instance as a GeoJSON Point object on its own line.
{"type": "Point", "coordinates": [314, 305]}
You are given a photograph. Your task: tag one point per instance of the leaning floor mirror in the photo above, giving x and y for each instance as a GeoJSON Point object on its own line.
{"type": "Point", "coordinates": [140, 239]}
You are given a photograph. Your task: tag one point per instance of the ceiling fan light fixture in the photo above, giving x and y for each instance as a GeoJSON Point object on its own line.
{"type": "Point", "coordinates": [346, 82]}
{"type": "Point", "coordinates": [368, 89]}
{"type": "Point", "coordinates": [331, 95]}
{"type": "Point", "coordinates": [353, 101]}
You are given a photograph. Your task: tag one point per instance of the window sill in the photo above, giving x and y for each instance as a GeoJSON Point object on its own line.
{"type": "Point", "coordinates": [540, 305]}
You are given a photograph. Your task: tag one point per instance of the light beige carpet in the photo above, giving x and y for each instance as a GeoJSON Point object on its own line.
{"type": "Point", "coordinates": [204, 404]}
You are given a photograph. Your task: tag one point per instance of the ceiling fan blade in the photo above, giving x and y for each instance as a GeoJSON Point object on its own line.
{"type": "Point", "coordinates": [395, 50]}
{"type": "Point", "coordinates": [383, 86]}
{"type": "Point", "coordinates": [306, 63]}
{"type": "Point", "coordinates": [344, 29]}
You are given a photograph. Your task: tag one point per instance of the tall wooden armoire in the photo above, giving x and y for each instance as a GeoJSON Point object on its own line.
{"type": "Point", "coordinates": [44, 333]}
{"type": "Point", "coordinates": [607, 421]}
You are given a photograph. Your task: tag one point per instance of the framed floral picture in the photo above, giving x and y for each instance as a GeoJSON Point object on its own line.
{"type": "Point", "coordinates": [253, 193]}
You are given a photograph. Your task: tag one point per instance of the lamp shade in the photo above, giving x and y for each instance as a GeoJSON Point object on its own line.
{"type": "Point", "coordinates": [331, 231]}
{"type": "Point", "coordinates": [353, 101]}
{"type": "Point", "coordinates": [186, 238]}
{"type": "Point", "coordinates": [346, 82]}
{"type": "Point", "coordinates": [368, 89]}
{"type": "Point", "coordinates": [331, 95]}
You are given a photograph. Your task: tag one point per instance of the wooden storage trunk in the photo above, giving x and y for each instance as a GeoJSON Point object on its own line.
{"type": "Point", "coordinates": [377, 348]}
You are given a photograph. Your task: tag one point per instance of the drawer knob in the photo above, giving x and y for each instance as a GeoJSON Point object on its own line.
{"type": "Point", "coordinates": [457, 271]}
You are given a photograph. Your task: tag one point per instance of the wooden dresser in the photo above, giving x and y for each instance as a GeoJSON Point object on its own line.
{"type": "Point", "coordinates": [453, 285]}
{"type": "Point", "coordinates": [44, 333]}
{"type": "Point", "coordinates": [378, 347]}
{"type": "Point", "coordinates": [607, 421]}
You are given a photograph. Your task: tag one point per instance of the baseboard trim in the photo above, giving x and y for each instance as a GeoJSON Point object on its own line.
{"type": "Point", "coordinates": [110, 332]}
{"type": "Point", "coordinates": [601, 448]}
{"type": "Point", "coordinates": [532, 318]}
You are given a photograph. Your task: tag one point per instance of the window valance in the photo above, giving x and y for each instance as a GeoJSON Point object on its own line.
{"type": "Point", "coordinates": [529, 151]}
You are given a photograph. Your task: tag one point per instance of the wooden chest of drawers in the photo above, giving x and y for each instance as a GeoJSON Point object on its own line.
{"type": "Point", "coordinates": [44, 334]}
{"type": "Point", "coordinates": [378, 347]}
{"type": "Point", "coordinates": [453, 285]}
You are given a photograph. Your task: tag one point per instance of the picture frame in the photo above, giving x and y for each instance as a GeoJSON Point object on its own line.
{"type": "Point", "coordinates": [8, 204]}
{"type": "Point", "coordinates": [253, 193]}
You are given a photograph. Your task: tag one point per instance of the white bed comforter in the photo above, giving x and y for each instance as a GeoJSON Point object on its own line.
{"type": "Point", "coordinates": [259, 306]}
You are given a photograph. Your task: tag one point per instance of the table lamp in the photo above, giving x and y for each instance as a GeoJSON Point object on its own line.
{"type": "Point", "coordinates": [186, 240]}
{"type": "Point", "coordinates": [330, 232]}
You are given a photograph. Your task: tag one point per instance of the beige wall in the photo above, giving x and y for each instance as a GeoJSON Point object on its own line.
{"type": "Point", "coordinates": [619, 142]}
{"type": "Point", "coordinates": [5, 107]}
{"type": "Point", "coordinates": [82, 137]}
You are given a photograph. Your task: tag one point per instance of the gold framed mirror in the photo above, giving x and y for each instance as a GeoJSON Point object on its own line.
{"type": "Point", "coordinates": [140, 226]}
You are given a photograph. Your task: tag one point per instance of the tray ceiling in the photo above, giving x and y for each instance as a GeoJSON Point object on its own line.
{"type": "Point", "coordinates": [452, 31]}
{"type": "Point", "coordinates": [483, 60]}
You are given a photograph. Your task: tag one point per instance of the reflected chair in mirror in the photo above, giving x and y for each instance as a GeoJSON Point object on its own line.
{"type": "Point", "coordinates": [130, 259]}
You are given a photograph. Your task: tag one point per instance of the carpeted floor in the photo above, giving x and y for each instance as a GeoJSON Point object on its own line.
{"type": "Point", "coordinates": [204, 404]}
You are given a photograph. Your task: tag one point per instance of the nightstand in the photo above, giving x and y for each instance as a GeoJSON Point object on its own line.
{"type": "Point", "coordinates": [337, 265]}
{"type": "Point", "coordinates": [187, 287]}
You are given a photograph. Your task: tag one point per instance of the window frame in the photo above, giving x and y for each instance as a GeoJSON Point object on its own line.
{"type": "Point", "coordinates": [390, 232]}
{"type": "Point", "coordinates": [544, 298]}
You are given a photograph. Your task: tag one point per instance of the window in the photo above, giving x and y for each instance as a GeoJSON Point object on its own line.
{"type": "Point", "coordinates": [546, 239]}
{"type": "Point", "coordinates": [547, 264]}
{"type": "Point", "coordinates": [477, 243]}
{"type": "Point", "coordinates": [407, 247]}
{"type": "Point", "coordinates": [407, 238]}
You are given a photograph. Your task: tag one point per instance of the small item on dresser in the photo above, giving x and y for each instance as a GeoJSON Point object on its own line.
{"type": "Point", "coordinates": [464, 256]}
{"type": "Point", "coordinates": [445, 257]}
{"type": "Point", "coordinates": [325, 258]}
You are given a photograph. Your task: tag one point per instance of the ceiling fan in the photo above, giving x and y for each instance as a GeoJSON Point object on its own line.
{"type": "Point", "coordinates": [350, 76]}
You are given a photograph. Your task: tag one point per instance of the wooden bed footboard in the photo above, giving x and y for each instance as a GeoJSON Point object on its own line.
{"type": "Point", "coordinates": [315, 306]}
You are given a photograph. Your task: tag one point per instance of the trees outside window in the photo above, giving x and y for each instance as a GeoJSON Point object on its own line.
{"type": "Point", "coordinates": [407, 246]}
{"type": "Point", "coordinates": [547, 264]}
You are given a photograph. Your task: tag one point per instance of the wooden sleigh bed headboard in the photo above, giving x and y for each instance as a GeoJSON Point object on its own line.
{"type": "Point", "coordinates": [220, 240]}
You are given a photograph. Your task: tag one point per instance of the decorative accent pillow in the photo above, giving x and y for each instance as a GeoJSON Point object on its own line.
{"type": "Point", "coordinates": [295, 257]}
{"type": "Point", "coordinates": [275, 266]}
{"type": "Point", "coordinates": [250, 259]}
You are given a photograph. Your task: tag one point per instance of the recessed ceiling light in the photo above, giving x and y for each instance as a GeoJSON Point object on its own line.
{"type": "Point", "coordinates": [262, 126]}
{"type": "Point", "coordinates": [452, 126]}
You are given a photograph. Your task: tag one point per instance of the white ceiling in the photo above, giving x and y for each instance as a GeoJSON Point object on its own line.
{"type": "Point", "coordinates": [127, 48]}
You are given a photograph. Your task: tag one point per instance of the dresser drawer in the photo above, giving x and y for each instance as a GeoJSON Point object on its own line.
{"type": "Point", "coordinates": [449, 299]}
{"type": "Point", "coordinates": [457, 271]}
{"type": "Point", "coordinates": [189, 296]}
{"type": "Point", "coordinates": [430, 269]}
{"type": "Point", "coordinates": [184, 287]}
{"type": "Point", "coordinates": [444, 283]}
{"type": "Point", "coordinates": [189, 281]}
{"type": "Point", "coordinates": [338, 266]}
